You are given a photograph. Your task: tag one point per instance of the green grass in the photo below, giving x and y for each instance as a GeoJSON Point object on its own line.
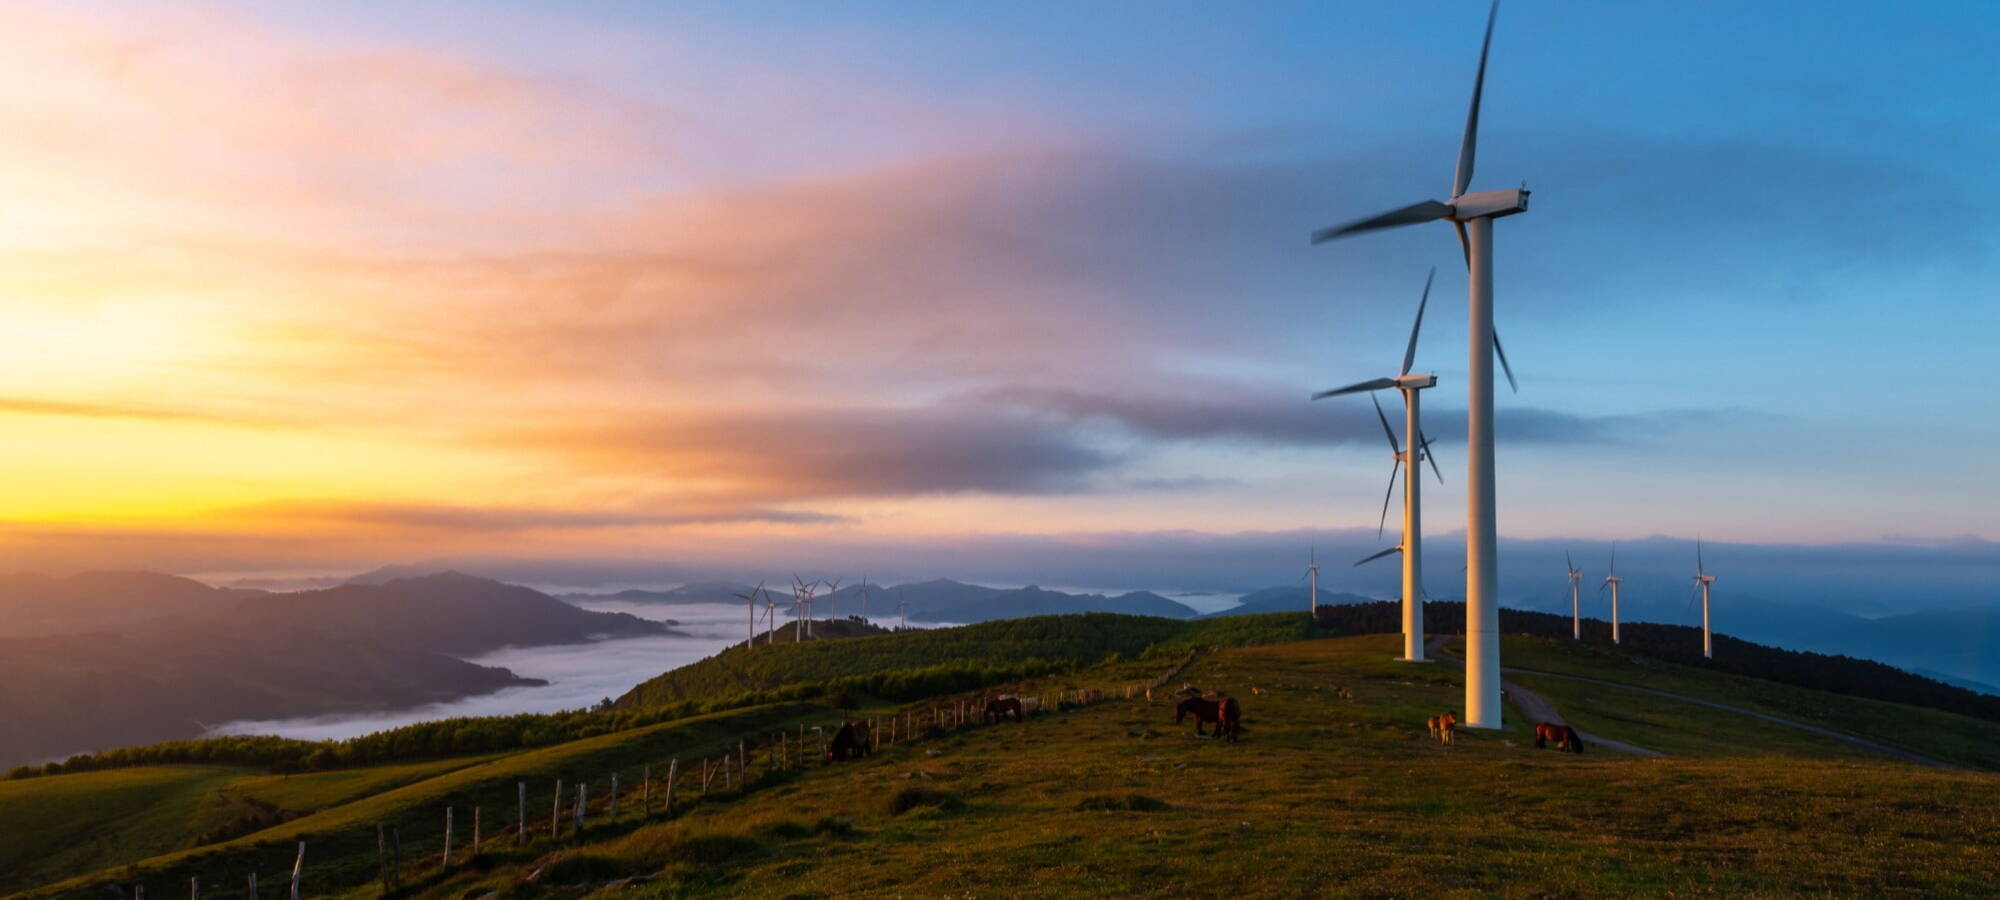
{"type": "Point", "coordinates": [66, 824]}
{"type": "Point", "coordinates": [1321, 796]}
{"type": "Point", "coordinates": [947, 659]}
{"type": "Point", "coordinates": [1962, 740]}
{"type": "Point", "coordinates": [311, 791]}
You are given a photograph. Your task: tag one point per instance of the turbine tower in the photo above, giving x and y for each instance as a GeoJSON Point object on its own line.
{"type": "Point", "coordinates": [1702, 580]}
{"type": "Point", "coordinates": [1412, 546]}
{"type": "Point", "coordinates": [751, 598]}
{"type": "Point", "coordinates": [1612, 581]}
{"type": "Point", "coordinates": [864, 598]}
{"type": "Point", "coordinates": [770, 619]}
{"type": "Point", "coordinates": [832, 600]}
{"type": "Point", "coordinates": [902, 609]}
{"type": "Point", "coordinates": [1312, 571]}
{"type": "Point", "coordinates": [1575, 601]}
{"type": "Point", "coordinates": [1472, 215]}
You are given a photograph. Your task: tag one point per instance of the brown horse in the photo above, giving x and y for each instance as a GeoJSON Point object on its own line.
{"type": "Point", "coordinates": [1564, 736]}
{"type": "Point", "coordinates": [1444, 727]}
{"type": "Point", "coordinates": [1223, 711]}
{"type": "Point", "coordinates": [1344, 694]}
{"type": "Point", "coordinates": [1000, 708]}
{"type": "Point", "coordinates": [850, 742]}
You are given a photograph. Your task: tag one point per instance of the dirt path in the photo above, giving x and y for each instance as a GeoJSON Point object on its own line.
{"type": "Point", "coordinates": [1519, 694]}
{"type": "Point", "coordinates": [1538, 708]}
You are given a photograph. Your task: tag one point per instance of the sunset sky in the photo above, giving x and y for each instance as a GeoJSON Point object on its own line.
{"type": "Point", "coordinates": [319, 288]}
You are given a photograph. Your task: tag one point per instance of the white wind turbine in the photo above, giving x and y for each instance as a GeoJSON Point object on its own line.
{"type": "Point", "coordinates": [864, 598]}
{"type": "Point", "coordinates": [1312, 571]}
{"type": "Point", "coordinates": [1472, 215]}
{"type": "Point", "coordinates": [832, 600]}
{"type": "Point", "coordinates": [803, 594]}
{"type": "Point", "coordinates": [1575, 598]}
{"type": "Point", "coordinates": [751, 598]}
{"type": "Point", "coordinates": [1702, 580]}
{"type": "Point", "coordinates": [902, 609]}
{"type": "Point", "coordinates": [1412, 545]}
{"type": "Point", "coordinates": [770, 619]}
{"type": "Point", "coordinates": [1612, 581]}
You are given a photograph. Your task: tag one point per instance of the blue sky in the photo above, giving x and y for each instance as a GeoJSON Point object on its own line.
{"type": "Point", "coordinates": [1751, 299]}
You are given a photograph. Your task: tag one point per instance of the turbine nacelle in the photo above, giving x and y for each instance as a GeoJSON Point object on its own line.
{"type": "Point", "coordinates": [1489, 205]}
{"type": "Point", "coordinates": [1416, 382]}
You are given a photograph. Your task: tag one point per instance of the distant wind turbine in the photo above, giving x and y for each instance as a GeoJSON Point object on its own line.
{"type": "Point", "coordinates": [1472, 216]}
{"type": "Point", "coordinates": [1412, 544]}
{"type": "Point", "coordinates": [751, 598]}
{"type": "Point", "coordinates": [902, 608]}
{"type": "Point", "coordinates": [864, 598]}
{"type": "Point", "coordinates": [1612, 581]}
{"type": "Point", "coordinates": [770, 619]}
{"type": "Point", "coordinates": [832, 600]}
{"type": "Point", "coordinates": [1703, 580]}
{"type": "Point", "coordinates": [1312, 570]}
{"type": "Point", "coordinates": [1575, 601]}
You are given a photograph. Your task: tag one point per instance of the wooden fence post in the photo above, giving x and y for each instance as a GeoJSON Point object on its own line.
{"type": "Point", "coordinates": [555, 813]}
{"type": "Point", "coordinates": [395, 857]}
{"type": "Point", "coordinates": [447, 837]}
{"type": "Point", "coordinates": [521, 809]}
{"type": "Point", "coordinates": [704, 778]}
{"type": "Point", "coordinates": [382, 855]}
{"type": "Point", "coordinates": [474, 849]}
{"type": "Point", "coordinates": [673, 772]}
{"type": "Point", "coordinates": [821, 732]}
{"type": "Point", "coordinates": [252, 892]}
{"type": "Point", "coordinates": [194, 887]}
{"type": "Point", "coordinates": [743, 763]}
{"type": "Point", "coordinates": [298, 865]}
{"type": "Point", "coordinates": [614, 797]}
{"type": "Point", "coordinates": [582, 796]}
{"type": "Point", "coordinates": [646, 792]}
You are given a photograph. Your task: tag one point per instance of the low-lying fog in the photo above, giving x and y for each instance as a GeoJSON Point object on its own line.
{"type": "Point", "coordinates": [579, 675]}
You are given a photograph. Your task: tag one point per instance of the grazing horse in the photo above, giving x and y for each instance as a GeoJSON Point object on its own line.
{"type": "Point", "coordinates": [1344, 694]}
{"type": "Point", "coordinates": [1564, 736]}
{"type": "Point", "coordinates": [1000, 708]}
{"type": "Point", "coordinates": [850, 742]}
{"type": "Point", "coordinates": [1223, 711]}
{"type": "Point", "coordinates": [1444, 728]}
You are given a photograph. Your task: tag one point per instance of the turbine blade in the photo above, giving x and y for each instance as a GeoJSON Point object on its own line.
{"type": "Point", "coordinates": [1467, 146]}
{"type": "Point", "coordinates": [1614, 557]}
{"type": "Point", "coordinates": [1375, 556]}
{"type": "Point", "coordinates": [1504, 367]}
{"type": "Point", "coordinates": [1427, 211]}
{"type": "Point", "coordinates": [1391, 492]}
{"type": "Point", "coordinates": [1464, 243]}
{"type": "Point", "coordinates": [1433, 460]}
{"type": "Point", "coordinates": [1410, 352]}
{"type": "Point", "coordinates": [1569, 562]}
{"type": "Point", "coordinates": [1698, 570]}
{"type": "Point", "coordinates": [1375, 384]}
{"type": "Point", "coordinates": [1391, 432]}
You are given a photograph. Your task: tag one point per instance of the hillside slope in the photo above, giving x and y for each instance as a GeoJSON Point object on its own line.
{"type": "Point", "coordinates": [1114, 799]}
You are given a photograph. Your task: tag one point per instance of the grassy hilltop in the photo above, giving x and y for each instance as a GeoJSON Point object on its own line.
{"type": "Point", "coordinates": [1113, 799]}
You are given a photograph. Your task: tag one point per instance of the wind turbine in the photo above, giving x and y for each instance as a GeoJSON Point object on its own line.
{"type": "Point", "coordinates": [751, 598]}
{"type": "Point", "coordinates": [1575, 601]}
{"type": "Point", "coordinates": [770, 619]}
{"type": "Point", "coordinates": [832, 600]}
{"type": "Point", "coordinates": [1312, 570]}
{"type": "Point", "coordinates": [1472, 215]}
{"type": "Point", "coordinates": [864, 598]}
{"type": "Point", "coordinates": [1412, 546]}
{"type": "Point", "coordinates": [804, 593]}
{"type": "Point", "coordinates": [902, 609]}
{"type": "Point", "coordinates": [1702, 580]}
{"type": "Point", "coordinates": [1612, 581]}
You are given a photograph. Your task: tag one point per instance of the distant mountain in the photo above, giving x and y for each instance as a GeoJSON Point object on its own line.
{"type": "Point", "coordinates": [696, 592]}
{"type": "Point", "coordinates": [36, 604]}
{"type": "Point", "coordinates": [1034, 601]}
{"type": "Point", "coordinates": [137, 658]}
{"type": "Point", "coordinates": [1285, 599]}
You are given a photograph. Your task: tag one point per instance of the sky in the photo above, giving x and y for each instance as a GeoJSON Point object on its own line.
{"type": "Point", "coordinates": [306, 289]}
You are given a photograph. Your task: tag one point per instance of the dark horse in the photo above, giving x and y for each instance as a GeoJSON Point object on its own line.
{"type": "Point", "coordinates": [1000, 708]}
{"type": "Point", "coordinates": [1564, 736]}
{"type": "Point", "coordinates": [1227, 716]}
{"type": "Point", "coordinates": [850, 742]}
